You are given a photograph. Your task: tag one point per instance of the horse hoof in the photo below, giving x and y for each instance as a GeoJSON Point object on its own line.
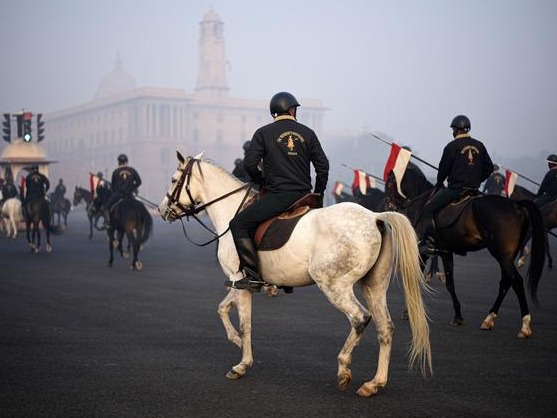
{"type": "Point", "coordinates": [457, 321]}
{"type": "Point", "coordinates": [344, 380]}
{"type": "Point", "coordinates": [234, 375]}
{"type": "Point", "coordinates": [138, 265]}
{"type": "Point", "coordinates": [125, 254]}
{"type": "Point", "coordinates": [366, 391]}
{"type": "Point", "coordinates": [48, 248]}
{"type": "Point", "coordinates": [524, 335]}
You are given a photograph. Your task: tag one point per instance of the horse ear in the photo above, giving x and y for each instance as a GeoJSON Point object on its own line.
{"type": "Point", "coordinates": [198, 156]}
{"type": "Point", "coordinates": [180, 157]}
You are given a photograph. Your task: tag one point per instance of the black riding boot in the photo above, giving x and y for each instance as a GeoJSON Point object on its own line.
{"type": "Point", "coordinates": [428, 247]}
{"type": "Point", "coordinates": [249, 263]}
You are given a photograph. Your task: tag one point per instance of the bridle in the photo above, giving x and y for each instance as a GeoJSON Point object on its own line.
{"type": "Point", "coordinates": [194, 208]}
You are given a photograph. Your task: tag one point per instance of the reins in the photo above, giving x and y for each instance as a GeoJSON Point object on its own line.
{"type": "Point", "coordinates": [193, 209]}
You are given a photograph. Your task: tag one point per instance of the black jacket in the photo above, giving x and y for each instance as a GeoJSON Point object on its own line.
{"type": "Point", "coordinates": [465, 163]}
{"type": "Point", "coordinates": [288, 149]}
{"type": "Point", "coordinates": [549, 183]}
{"type": "Point", "coordinates": [125, 180]}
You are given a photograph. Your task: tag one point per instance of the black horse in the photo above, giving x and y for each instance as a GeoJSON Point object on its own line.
{"type": "Point", "coordinates": [60, 208]}
{"type": "Point", "coordinates": [37, 211]}
{"type": "Point", "coordinates": [93, 214]}
{"type": "Point", "coordinates": [549, 219]}
{"type": "Point", "coordinates": [493, 222]}
{"type": "Point", "coordinates": [129, 217]}
{"type": "Point", "coordinates": [373, 200]}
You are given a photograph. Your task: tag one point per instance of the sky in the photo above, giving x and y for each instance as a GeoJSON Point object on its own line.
{"type": "Point", "coordinates": [402, 68]}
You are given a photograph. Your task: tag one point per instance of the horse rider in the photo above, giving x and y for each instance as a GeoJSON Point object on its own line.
{"type": "Point", "coordinates": [239, 169]}
{"type": "Point", "coordinates": [59, 191]}
{"type": "Point", "coordinates": [495, 183]}
{"type": "Point", "coordinates": [548, 189]}
{"type": "Point", "coordinates": [102, 195]}
{"type": "Point", "coordinates": [287, 149]}
{"type": "Point", "coordinates": [36, 185]}
{"type": "Point", "coordinates": [465, 164]}
{"type": "Point", "coordinates": [125, 182]}
{"type": "Point", "coordinates": [8, 190]}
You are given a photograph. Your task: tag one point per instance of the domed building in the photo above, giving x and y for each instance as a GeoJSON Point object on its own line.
{"type": "Point", "coordinates": [115, 82]}
{"type": "Point", "coordinates": [149, 124]}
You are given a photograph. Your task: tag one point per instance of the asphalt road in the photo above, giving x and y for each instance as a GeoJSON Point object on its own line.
{"type": "Point", "coordinates": [80, 339]}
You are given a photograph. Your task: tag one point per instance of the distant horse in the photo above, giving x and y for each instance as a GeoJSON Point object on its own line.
{"type": "Point", "coordinates": [38, 211]}
{"type": "Point", "coordinates": [11, 216]}
{"type": "Point", "coordinates": [61, 207]}
{"type": "Point", "coordinates": [549, 219]}
{"type": "Point", "coordinates": [491, 222]}
{"type": "Point", "coordinates": [129, 218]}
{"type": "Point", "coordinates": [84, 195]}
{"type": "Point", "coordinates": [334, 247]}
{"type": "Point", "coordinates": [373, 200]}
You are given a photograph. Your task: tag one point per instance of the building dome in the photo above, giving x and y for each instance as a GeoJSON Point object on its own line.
{"type": "Point", "coordinates": [115, 82]}
{"type": "Point", "coordinates": [211, 16]}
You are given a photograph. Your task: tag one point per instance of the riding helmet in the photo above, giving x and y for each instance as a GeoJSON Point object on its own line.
{"type": "Point", "coordinates": [461, 122]}
{"type": "Point", "coordinates": [245, 147]}
{"type": "Point", "coordinates": [100, 174]}
{"type": "Point", "coordinates": [281, 102]}
{"type": "Point", "coordinates": [122, 159]}
{"type": "Point", "coordinates": [495, 167]}
{"type": "Point", "coordinates": [552, 159]}
{"type": "Point", "coordinates": [34, 167]}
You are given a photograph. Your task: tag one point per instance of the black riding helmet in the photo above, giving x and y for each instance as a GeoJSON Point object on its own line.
{"type": "Point", "coordinates": [552, 159]}
{"type": "Point", "coordinates": [122, 159]}
{"type": "Point", "coordinates": [246, 146]}
{"type": "Point", "coordinates": [281, 102]}
{"type": "Point", "coordinates": [461, 122]}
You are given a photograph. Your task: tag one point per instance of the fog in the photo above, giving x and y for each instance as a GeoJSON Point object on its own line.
{"type": "Point", "coordinates": [402, 68]}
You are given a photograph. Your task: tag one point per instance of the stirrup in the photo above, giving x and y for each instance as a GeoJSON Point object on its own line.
{"type": "Point", "coordinates": [245, 283]}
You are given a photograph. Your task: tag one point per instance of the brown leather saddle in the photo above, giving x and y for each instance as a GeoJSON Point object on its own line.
{"type": "Point", "coordinates": [448, 215]}
{"type": "Point", "coordinates": [275, 232]}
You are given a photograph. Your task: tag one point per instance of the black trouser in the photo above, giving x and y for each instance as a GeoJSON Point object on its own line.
{"type": "Point", "coordinates": [244, 224]}
{"type": "Point", "coordinates": [439, 200]}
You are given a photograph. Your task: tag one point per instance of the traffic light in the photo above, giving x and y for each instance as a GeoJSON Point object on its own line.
{"type": "Point", "coordinates": [40, 129]}
{"type": "Point", "coordinates": [27, 121]}
{"type": "Point", "coordinates": [7, 129]}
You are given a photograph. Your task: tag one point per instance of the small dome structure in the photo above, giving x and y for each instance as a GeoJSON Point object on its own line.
{"type": "Point", "coordinates": [115, 82]}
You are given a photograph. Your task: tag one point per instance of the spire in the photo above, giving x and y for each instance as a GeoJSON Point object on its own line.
{"type": "Point", "coordinates": [211, 76]}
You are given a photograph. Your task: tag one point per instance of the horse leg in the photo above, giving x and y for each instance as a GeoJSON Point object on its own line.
{"type": "Point", "coordinates": [224, 312]}
{"type": "Point", "coordinates": [136, 264]}
{"type": "Point", "coordinates": [242, 299]}
{"type": "Point", "coordinates": [110, 233]}
{"type": "Point", "coordinates": [448, 263]}
{"type": "Point", "coordinates": [548, 253]}
{"type": "Point", "coordinates": [374, 289]}
{"type": "Point", "coordinates": [47, 228]}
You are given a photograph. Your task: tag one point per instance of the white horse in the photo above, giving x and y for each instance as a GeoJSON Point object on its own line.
{"type": "Point", "coordinates": [335, 248]}
{"type": "Point", "coordinates": [11, 216]}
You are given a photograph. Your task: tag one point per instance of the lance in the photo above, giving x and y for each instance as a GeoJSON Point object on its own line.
{"type": "Point", "coordinates": [523, 177]}
{"type": "Point", "coordinates": [412, 155]}
{"type": "Point", "coordinates": [367, 174]}
{"type": "Point", "coordinates": [154, 205]}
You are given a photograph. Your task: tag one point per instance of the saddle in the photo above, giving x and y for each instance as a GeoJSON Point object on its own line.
{"type": "Point", "coordinates": [448, 215]}
{"type": "Point", "coordinates": [275, 232]}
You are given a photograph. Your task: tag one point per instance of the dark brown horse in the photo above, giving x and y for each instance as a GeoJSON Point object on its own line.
{"type": "Point", "coordinates": [549, 219]}
{"type": "Point", "coordinates": [37, 211]}
{"type": "Point", "coordinates": [93, 215]}
{"type": "Point", "coordinates": [490, 222]}
{"type": "Point", "coordinates": [129, 218]}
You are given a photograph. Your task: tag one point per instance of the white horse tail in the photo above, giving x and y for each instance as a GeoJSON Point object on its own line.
{"type": "Point", "coordinates": [406, 262]}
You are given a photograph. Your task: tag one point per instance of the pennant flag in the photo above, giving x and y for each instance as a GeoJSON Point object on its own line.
{"type": "Point", "coordinates": [510, 180]}
{"type": "Point", "coordinates": [362, 181]}
{"type": "Point", "coordinates": [337, 190]}
{"type": "Point", "coordinates": [94, 182]}
{"type": "Point", "coordinates": [397, 163]}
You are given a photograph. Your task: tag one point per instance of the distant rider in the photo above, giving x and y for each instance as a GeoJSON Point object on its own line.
{"type": "Point", "coordinates": [8, 190]}
{"type": "Point", "coordinates": [36, 185]}
{"type": "Point", "coordinates": [125, 182]}
{"type": "Point", "coordinates": [495, 184]}
{"type": "Point", "coordinates": [548, 189]}
{"type": "Point", "coordinates": [465, 164]}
